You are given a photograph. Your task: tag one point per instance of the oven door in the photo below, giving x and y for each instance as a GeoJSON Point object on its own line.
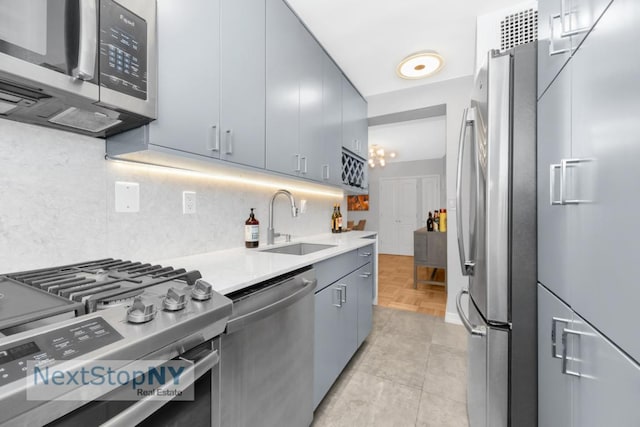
{"type": "Point", "coordinates": [52, 43]}
{"type": "Point", "coordinates": [204, 410]}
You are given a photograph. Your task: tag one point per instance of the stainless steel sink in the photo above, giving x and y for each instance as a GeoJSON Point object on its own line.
{"type": "Point", "coordinates": [299, 249]}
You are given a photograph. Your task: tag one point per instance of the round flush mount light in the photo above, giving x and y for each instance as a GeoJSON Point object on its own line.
{"type": "Point", "coordinates": [420, 65]}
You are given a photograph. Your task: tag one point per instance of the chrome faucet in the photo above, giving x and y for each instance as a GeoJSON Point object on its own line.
{"type": "Point", "coordinates": [271, 233]}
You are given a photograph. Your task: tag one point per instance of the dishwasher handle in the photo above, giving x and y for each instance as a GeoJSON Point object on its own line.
{"type": "Point", "coordinates": [239, 322]}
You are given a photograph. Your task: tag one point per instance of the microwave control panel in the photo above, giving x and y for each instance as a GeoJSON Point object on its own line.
{"type": "Point", "coordinates": [123, 50]}
{"type": "Point", "coordinates": [64, 343]}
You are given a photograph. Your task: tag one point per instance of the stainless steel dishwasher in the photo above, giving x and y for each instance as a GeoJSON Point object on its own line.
{"type": "Point", "coordinates": [266, 354]}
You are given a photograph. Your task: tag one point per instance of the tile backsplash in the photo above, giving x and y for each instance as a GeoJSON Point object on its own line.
{"type": "Point", "coordinates": [57, 205]}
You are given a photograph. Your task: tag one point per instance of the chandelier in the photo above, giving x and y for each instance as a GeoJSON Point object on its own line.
{"type": "Point", "coordinates": [377, 156]}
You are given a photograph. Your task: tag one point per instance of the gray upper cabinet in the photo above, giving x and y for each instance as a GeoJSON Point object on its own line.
{"type": "Point", "coordinates": [242, 81]}
{"type": "Point", "coordinates": [355, 131]}
{"type": "Point", "coordinates": [283, 89]}
{"type": "Point", "coordinates": [605, 175]}
{"type": "Point", "coordinates": [311, 121]}
{"type": "Point", "coordinates": [188, 103]}
{"type": "Point", "coordinates": [553, 49]}
{"type": "Point", "coordinates": [564, 24]}
{"type": "Point", "coordinates": [554, 144]}
{"type": "Point", "coordinates": [332, 122]}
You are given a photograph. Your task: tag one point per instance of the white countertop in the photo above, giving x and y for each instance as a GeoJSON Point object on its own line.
{"type": "Point", "coordinates": [234, 269]}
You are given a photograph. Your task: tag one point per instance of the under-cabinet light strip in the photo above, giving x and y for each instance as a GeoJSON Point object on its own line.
{"type": "Point", "coordinates": [264, 183]}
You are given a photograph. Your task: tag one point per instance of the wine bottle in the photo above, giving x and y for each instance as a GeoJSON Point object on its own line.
{"type": "Point", "coordinates": [251, 231]}
{"type": "Point", "coordinates": [430, 222]}
{"type": "Point", "coordinates": [334, 220]}
{"type": "Point", "coordinates": [339, 225]}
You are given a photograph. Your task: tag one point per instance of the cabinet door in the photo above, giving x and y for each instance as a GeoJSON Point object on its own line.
{"type": "Point", "coordinates": [608, 389]}
{"type": "Point", "coordinates": [554, 388]}
{"type": "Point", "coordinates": [242, 88]}
{"type": "Point", "coordinates": [335, 336]}
{"type": "Point", "coordinates": [582, 16]}
{"type": "Point", "coordinates": [188, 77]}
{"type": "Point", "coordinates": [364, 286]}
{"type": "Point", "coordinates": [554, 144]}
{"type": "Point", "coordinates": [350, 115]}
{"type": "Point", "coordinates": [606, 141]}
{"type": "Point", "coordinates": [362, 125]}
{"type": "Point", "coordinates": [311, 121]}
{"type": "Point", "coordinates": [553, 50]}
{"type": "Point", "coordinates": [332, 122]}
{"type": "Point", "coordinates": [283, 93]}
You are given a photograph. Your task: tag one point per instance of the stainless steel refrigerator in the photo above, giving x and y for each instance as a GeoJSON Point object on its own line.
{"type": "Point", "coordinates": [496, 221]}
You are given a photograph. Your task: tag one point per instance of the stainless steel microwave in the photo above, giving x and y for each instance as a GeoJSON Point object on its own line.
{"type": "Point", "coordinates": [87, 66]}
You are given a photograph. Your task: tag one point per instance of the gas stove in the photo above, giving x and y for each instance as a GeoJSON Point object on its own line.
{"type": "Point", "coordinates": [104, 309]}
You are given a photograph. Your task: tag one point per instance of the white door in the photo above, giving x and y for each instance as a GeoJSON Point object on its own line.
{"type": "Point", "coordinates": [430, 197]}
{"type": "Point", "coordinates": [398, 209]}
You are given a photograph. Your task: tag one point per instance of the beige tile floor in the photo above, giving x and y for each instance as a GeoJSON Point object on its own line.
{"type": "Point", "coordinates": [411, 371]}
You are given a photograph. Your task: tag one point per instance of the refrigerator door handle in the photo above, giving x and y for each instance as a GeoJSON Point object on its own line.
{"type": "Point", "coordinates": [474, 330]}
{"type": "Point", "coordinates": [468, 120]}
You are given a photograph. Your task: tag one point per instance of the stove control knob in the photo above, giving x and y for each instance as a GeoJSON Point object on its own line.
{"type": "Point", "coordinates": [141, 311]}
{"type": "Point", "coordinates": [176, 299]}
{"type": "Point", "coordinates": [201, 291]}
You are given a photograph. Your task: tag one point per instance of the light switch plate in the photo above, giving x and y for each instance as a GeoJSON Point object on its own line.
{"type": "Point", "coordinates": [127, 196]}
{"type": "Point", "coordinates": [451, 204]}
{"type": "Point", "coordinates": [188, 202]}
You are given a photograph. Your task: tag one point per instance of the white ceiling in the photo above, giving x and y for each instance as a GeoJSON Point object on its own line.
{"type": "Point", "coordinates": [412, 140]}
{"type": "Point", "coordinates": [368, 38]}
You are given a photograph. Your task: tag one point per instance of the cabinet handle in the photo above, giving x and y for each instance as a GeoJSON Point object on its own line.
{"type": "Point", "coordinates": [570, 32]}
{"type": "Point", "coordinates": [297, 168]}
{"type": "Point", "coordinates": [229, 141]}
{"type": "Point", "coordinates": [343, 294]}
{"type": "Point", "coordinates": [337, 295]}
{"type": "Point", "coordinates": [552, 184]}
{"type": "Point", "coordinates": [325, 172]}
{"type": "Point", "coordinates": [214, 140]}
{"type": "Point", "coordinates": [554, 322]}
{"type": "Point", "coordinates": [365, 275]}
{"type": "Point", "coordinates": [304, 163]}
{"type": "Point", "coordinates": [564, 164]}
{"type": "Point", "coordinates": [552, 50]}
{"type": "Point", "coordinates": [565, 358]}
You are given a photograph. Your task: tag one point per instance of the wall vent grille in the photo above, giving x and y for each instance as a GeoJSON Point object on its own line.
{"type": "Point", "coordinates": [518, 28]}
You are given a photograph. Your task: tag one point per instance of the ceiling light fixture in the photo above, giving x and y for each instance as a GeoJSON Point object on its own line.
{"type": "Point", "coordinates": [377, 156]}
{"type": "Point", "coordinates": [420, 65]}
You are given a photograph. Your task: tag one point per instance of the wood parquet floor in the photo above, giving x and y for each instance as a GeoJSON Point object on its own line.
{"type": "Point", "coordinates": [395, 286]}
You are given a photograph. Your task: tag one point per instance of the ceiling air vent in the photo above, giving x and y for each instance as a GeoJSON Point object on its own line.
{"type": "Point", "coordinates": [518, 28]}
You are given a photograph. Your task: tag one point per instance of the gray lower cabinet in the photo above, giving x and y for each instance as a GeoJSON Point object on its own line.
{"type": "Point", "coordinates": [343, 315]}
{"type": "Point", "coordinates": [584, 380]}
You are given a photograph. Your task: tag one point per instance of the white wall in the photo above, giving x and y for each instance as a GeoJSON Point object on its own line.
{"type": "Point", "coordinates": [398, 170]}
{"type": "Point", "coordinates": [57, 205]}
{"type": "Point", "coordinates": [455, 94]}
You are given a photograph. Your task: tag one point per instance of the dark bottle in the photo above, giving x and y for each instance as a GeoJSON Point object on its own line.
{"type": "Point", "coordinates": [334, 219]}
{"type": "Point", "coordinates": [430, 222]}
{"type": "Point", "coordinates": [252, 231]}
{"type": "Point", "coordinates": [436, 220]}
{"type": "Point", "coordinates": [339, 225]}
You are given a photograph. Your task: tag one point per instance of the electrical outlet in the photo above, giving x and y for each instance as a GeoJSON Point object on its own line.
{"type": "Point", "coordinates": [127, 197]}
{"type": "Point", "coordinates": [188, 202]}
{"type": "Point", "coordinates": [303, 206]}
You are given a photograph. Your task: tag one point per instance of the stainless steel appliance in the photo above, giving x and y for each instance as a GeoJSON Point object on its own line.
{"type": "Point", "coordinates": [267, 354]}
{"type": "Point", "coordinates": [126, 311]}
{"type": "Point", "coordinates": [496, 221]}
{"type": "Point", "coordinates": [86, 66]}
